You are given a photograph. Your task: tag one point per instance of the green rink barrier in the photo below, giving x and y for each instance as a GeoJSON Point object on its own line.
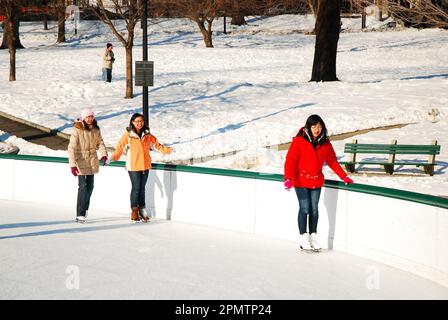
{"type": "Point", "coordinates": [356, 187]}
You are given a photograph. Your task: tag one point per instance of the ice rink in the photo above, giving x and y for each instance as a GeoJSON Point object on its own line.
{"type": "Point", "coordinates": [45, 255]}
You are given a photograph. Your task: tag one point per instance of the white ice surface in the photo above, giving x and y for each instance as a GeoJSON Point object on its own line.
{"type": "Point", "coordinates": [41, 248]}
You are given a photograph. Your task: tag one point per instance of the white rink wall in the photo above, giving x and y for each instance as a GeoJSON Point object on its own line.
{"type": "Point", "coordinates": [404, 234]}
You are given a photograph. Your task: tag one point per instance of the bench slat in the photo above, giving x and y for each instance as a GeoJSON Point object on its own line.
{"type": "Point", "coordinates": [370, 145]}
{"type": "Point", "coordinates": [391, 149]}
{"type": "Point", "coordinates": [390, 163]}
{"type": "Point", "coordinates": [430, 148]}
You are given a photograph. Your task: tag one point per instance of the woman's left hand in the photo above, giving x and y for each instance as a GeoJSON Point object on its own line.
{"type": "Point", "coordinates": [347, 180]}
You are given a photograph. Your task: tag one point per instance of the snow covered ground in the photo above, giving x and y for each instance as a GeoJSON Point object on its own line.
{"type": "Point", "coordinates": [248, 92]}
{"type": "Point", "coordinates": [110, 258]}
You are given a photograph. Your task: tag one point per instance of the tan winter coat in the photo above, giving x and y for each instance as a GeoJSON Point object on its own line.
{"type": "Point", "coordinates": [108, 57]}
{"type": "Point", "coordinates": [83, 146]}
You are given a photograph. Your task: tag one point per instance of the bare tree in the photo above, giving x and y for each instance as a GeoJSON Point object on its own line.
{"type": "Point", "coordinates": [129, 11]}
{"type": "Point", "coordinates": [420, 13]}
{"type": "Point", "coordinates": [413, 13]}
{"type": "Point", "coordinates": [202, 12]}
{"type": "Point", "coordinates": [328, 26]}
{"type": "Point", "coordinates": [11, 11]}
{"type": "Point", "coordinates": [312, 4]}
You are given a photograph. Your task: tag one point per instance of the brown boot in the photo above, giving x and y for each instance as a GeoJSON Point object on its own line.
{"type": "Point", "coordinates": [134, 214]}
{"type": "Point", "coordinates": [143, 214]}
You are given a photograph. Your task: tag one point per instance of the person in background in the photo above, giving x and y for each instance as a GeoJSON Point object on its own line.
{"type": "Point", "coordinates": [108, 60]}
{"type": "Point", "coordinates": [83, 159]}
{"type": "Point", "coordinates": [137, 142]}
{"type": "Point", "coordinates": [303, 171]}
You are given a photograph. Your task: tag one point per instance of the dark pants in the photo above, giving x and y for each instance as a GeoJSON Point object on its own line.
{"type": "Point", "coordinates": [138, 181]}
{"type": "Point", "coordinates": [308, 206]}
{"type": "Point", "coordinates": [85, 188]}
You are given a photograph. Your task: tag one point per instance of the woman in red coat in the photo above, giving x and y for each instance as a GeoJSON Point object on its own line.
{"type": "Point", "coordinates": [303, 171]}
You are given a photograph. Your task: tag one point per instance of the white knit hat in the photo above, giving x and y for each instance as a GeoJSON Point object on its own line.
{"type": "Point", "coordinates": [85, 113]}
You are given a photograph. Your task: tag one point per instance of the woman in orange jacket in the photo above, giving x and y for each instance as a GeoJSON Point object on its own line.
{"type": "Point", "coordinates": [137, 142]}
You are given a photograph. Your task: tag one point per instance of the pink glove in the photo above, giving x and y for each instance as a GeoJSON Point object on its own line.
{"type": "Point", "coordinates": [288, 184]}
{"type": "Point", "coordinates": [347, 180]}
{"type": "Point", "coordinates": [74, 171]}
{"type": "Point", "coordinates": [103, 160]}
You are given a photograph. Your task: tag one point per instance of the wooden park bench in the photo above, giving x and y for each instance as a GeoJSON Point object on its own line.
{"type": "Point", "coordinates": [392, 149]}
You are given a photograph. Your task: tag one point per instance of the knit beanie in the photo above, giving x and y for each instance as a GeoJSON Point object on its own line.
{"type": "Point", "coordinates": [85, 113]}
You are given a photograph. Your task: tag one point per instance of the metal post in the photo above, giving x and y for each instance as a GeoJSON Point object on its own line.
{"type": "Point", "coordinates": [225, 29]}
{"type": "Point", "coordinates": [145, 58]}
{"type": "Point", "coordinates": [74, 16]}
{"type": "Point", "coordinates": [363, 18]}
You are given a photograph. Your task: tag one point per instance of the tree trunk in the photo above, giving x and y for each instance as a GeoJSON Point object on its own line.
{"type": "Point", "coordinates": [11, 35]}
{"type": "Point", "coordinates": [12, 39]}
{"type": "Point", "coordinates": [12, 63]}
{"type": "Point", "coordinates": [328, 26]}
{"type": "Point", "coordinates": [237, 16]}
{"type": "Point", "coordinates": [363, 18]}
{"type": "Point", "coordinates": [45, 22]}
{"type": "Point", "coordinates": [206, 33]}
{"type": "Point", "coordinates": [61, 24]}
{"type": "Point", "coordinates": [238, 20]}
{"type": "Point", "coordinates": [129, 85]}
{"type": "Point", "coordinates": [12, 23]}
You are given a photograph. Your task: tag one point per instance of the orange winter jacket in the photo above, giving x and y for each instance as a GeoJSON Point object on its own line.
{"type": "Point", "coordinates": [137, 149]}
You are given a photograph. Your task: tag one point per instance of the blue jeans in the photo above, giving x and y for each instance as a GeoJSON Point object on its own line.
{"type": "Point", "coordinates": [138, 181]}
{"type": "Point", "coordinates": [107, 75]}
{"type": "Point", "coordinates": [85, 189]}
{"type": "Point", "coordinates": [308, 206]}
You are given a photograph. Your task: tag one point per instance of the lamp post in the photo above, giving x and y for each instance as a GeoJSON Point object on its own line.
{"type": "Point", "coordinates": [144, 70]}
{"type": "Point", "coordinates": [145, 58]}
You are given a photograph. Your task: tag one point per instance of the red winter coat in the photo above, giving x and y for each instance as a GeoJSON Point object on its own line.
{"type": "Point", "coordinates": [303, 165]}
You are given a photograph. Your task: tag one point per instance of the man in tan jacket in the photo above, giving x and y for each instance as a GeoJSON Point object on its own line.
{"type": "Point", "coordinates": [83, 159]}
{"type": "Point", "coordinates": [108, 60]}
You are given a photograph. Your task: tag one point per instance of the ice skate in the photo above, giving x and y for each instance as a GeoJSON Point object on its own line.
{"type": "Point", "coordinates": [304, 242]}
{"type": "Point", "coordinates": [143, 214]}
{"type": "Point", "coordinates": [315, 243]}
{"type": "Point", "coordinates": [135, 215]}
{"type": "Point", "coordinates": [81, 219]}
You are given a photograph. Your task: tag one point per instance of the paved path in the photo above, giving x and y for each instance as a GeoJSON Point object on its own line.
{"type": "Point", "coordinates": [33, 133]}
{"type": "Point", "coordinates": [59, 141]}
{"type": "Point", "coordinates": [45, 255]}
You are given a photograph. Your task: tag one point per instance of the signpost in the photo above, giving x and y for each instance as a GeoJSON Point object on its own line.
{"type": "Point", "coordinates": [144, 74]}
